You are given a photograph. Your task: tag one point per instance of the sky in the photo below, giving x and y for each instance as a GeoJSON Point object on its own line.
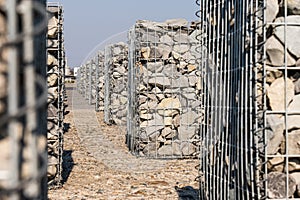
{"type": "Point", "coordinates": [90, 24]}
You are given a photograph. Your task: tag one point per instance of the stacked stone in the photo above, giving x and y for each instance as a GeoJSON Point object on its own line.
{"type": "Point", "coordinates": [165, 87]}
{"type": "Point", "coordinates": [22, 134]}
{"type": "Point", "coordinates": [100, 82]}
{"type": "Point", "coordinates": [116, 69]}
{"type": "Point", "coordinates": [282, 84]}
{"type": "Point", "coordinates": [55, 74]}
{"type": "Point", "coordinates": [4, 138]}
{"type": "Point", "coordinates": [81, 80]}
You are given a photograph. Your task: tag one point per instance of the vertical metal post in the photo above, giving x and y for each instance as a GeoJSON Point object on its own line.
{"type": "Point", "coordinates": [31, 114]}
{"type": "Point", "coordinates": [97, 82]}
{"type": "Point", "coordinates": [107, 62]}
{"type": "Point", "coordinates": [90, 82]}
{"type": "Point", "coordinates": [14, 127]}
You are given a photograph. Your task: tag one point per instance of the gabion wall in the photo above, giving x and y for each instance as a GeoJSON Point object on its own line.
{"type": "Point", "coordinates": [100, 81]}
{"type": "Point", "coordinates": [251, 79]}
{"type": "Point", "coordinates": [55, 79]}
{"type": "Point", "coordinates": [23, 94]}
{"type": "Point", "coordinates": [164, 89]}
{"type": "Point", "coordinates": [280, 83]}
{"type": "Point", "coordinates": [116, 70]}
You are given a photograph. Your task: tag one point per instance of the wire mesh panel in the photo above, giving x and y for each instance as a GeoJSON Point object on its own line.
{"type": "Point", "coordinates": [164, 89]}
{"type": "Point", "coordinates": [281, 100]}
{"type": "Point", "coordinates": [55, 79]}
{"type": "Point", "coordinates": [100, 81]}
{"type": "Point", "coordinates": [23, 95]}
{"type": "Point", "coordinates": [116, 72]}
{"type": "Point", "coordinates": [228, 149]}
{"type": "Point", "coordinates": [250, 132]}
{"type": "Point", "coordinates": [81, 80]}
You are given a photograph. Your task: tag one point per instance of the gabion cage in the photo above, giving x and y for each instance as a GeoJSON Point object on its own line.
{"type": "Point", "coordinates": [250, 135]}
{"type": "Point", "coordinates": [99, 60]}
{"type": "Point", "coordinates": [165, 90]}
{"type": "Point", "coordinates": [116, 70]}
{"type": "Point", "coordinates": [55, 80]}
{"type": "Point", "coordinates": [23, 94]}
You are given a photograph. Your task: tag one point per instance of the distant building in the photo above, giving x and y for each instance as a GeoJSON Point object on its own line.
{"type": "Point", "coordinates": [75, 71]}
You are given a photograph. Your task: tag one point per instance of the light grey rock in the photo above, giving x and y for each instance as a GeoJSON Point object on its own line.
{"type": "Point", "coordinates": [159, 81]}
{"type": "Point", "coordinates": [275, 51]}
{"type": "Point", "coordinates": [186, 133]}
{"type": "Point", "coordinates": [180, 82]}
{"type": "Point", "coordinates": [181, 48]}
{"type": "Point", "coordinates": [170, 150]}
{"type": "Point", "coordinates": [276, 185]}
{"type": "Point", "coordinates": [294, 120]}
{"type": "Point", "coordinates": [151, 149]}
{"type": "Point", "coordinates": [294, 142]}
{"type": "Point", "coordinates": [169, 107]}
{"type": "Point", "coordinates": [166, 39]}
{"type": "Point", "coordinates": [272, 10]}
{"type": "Point", "coordinates": [188, 149]}
{"type": "Point", "coordinates": [158, 93]}
{"type": "Point", "coordinates": [168, 133]}
{"type": "Point", "coordinates": [293, 7]}
{"type": "Point", "coordinates": [296, 176]}
{"type": "Point", "coordinates": [154, 67]}
{"type": "Point", "coordinates": [181, 37]}
{"type": "Point", "coordinates": [53, 27]}
{"type": "Point", "coordinates": [164, 51]}
{"type": "Point", "coordinates": [277, 100]}
{"type": "Point", "coordinates": [176, 23]}
{"type": "Point", "coordinates": [276, 136]}
{"type": "Point", "coordinates": [189, 118]}
{"type": "Point", "coordinates": [293, 45]}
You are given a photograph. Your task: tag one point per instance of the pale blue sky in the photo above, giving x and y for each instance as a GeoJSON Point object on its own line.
{"type": "Point", "coordinates": [90, 22]}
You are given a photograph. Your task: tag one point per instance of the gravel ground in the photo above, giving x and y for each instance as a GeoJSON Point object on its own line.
{"type": "Point", "coordinates": [93, 177]}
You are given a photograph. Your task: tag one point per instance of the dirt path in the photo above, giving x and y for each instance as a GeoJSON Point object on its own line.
{"type": "Point", "coordinates": [97, 164]}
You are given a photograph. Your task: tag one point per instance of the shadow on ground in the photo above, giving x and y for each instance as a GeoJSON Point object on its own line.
{"type": "Point", "coordinates": [68, 164]}
{"type": "Point", "coordinates": [187, 193]}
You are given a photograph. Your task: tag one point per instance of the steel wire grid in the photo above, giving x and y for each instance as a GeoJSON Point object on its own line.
{"type": "Point", "coordinates": [22, 98]}
{"type": "Point", "coordinates": [164, 90]}
{"type": "Point", "coordinates": [229, 157]}
{"type": "Point", "coordinates": [99, 82]}
{"type": "Point", "coordinates": [281, 108]}
{"type": "Point", "coordinates": [56, 95]}
{"type": "Point", "coordinates": [115, 76]}
{"type": "Point", "coordinates": [247, 152]}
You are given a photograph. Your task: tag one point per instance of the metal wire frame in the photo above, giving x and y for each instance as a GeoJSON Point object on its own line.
{"type": "Point", "coordinates": [139, 76]}
{"type": "Point", "coordinates": [99, 82]}
{"type": "Point", "coordinates": [115, 84]}
{"type": "Point", "coordinates": [58, 118]}
{"type": "Point", "coordinates": [22, 125]}
{"type": "Point", "coordinates": [286, 113]}
{"type": "Point", "coordinates": [229, 134]}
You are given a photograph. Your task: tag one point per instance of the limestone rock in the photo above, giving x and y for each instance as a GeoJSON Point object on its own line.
{"type": "Point", "coordinates": [276, 185]}
{"type": "Point", "coordinates": [52, 80]}
{"type": "Point", "coordinates": [160, 81]}
{"type": "Point", "coordinates": [51, 60]}
{"type": "Point", "coordinates": [276, 98]}
{"type": "Point", "coordinates": [52, 27]}
{"type": "Point", "coordinates": [293, 7]}
{"type": "Point", "coordinates": [187, 149]}
{"type": "Point", "coordinates": [169, 150]}
{"type": "Point", "coordinates": [189, 118]}
{"type": "Point", "coordinates": [186, 133]}
{"type": "Point", "coordinates": [293, 120]}
{"type": "Point", "coordinates": [293, 45]}
{"type": "Point", "coordinates": [169, 107]}
{"type": "Point", "coordinates": [275, 51]}
{"type": "Point", "coordinates": [176, 23]}
{"type": "Point", "coordinates": [275, 136]}
{"type": "Point", "coordinates": [271, 10]}
{"type": "Point", "coordinates": [294, 142]}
